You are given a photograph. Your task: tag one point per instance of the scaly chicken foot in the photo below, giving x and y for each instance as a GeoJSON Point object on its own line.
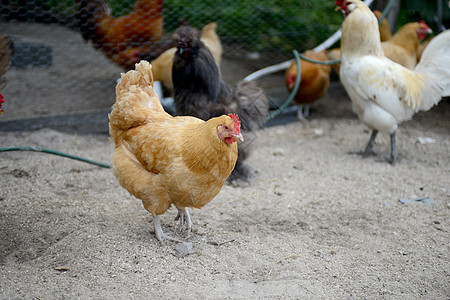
{"type": "Point", "coordinates": [159, 234]}
{"type": "Point", "coordinates": [368, 150]}
{"type": "Point", "coordinates": [393, 159]}
{"type": "Point", "coordinates": [185, 218]}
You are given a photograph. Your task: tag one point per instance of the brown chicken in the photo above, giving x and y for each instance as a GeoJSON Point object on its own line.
{"type": "Point", "coordinates": [162, 65]}
{"type": "Point", "coordinates": [6, 54]}
{"type": "Point", "coordinates": [402, 47]}
{"type": "Point", "coordinates": [314, 83]}
{"type": "Point", "coordinates": [165, 160]}
{"type": "Point", "coordinates": [122, 39]}
{"type": "Point", "coordinates": [200, 91]}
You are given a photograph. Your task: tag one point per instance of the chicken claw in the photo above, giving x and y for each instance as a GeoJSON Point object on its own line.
{"type": "Point", "coordinates": [368, 150]}
{"type": "Point", "coordinates": [185, 218]}
{"type": "Point", "coordinates": [159, 234]}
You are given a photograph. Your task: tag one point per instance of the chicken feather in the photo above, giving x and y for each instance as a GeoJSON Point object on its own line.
{"type": "Point", "coordinates": [162, 65]}
{"type": "Point", "coordinates": [200, 91]}
{"type": "Point", "coordinates": [165, 160]}
{"type": "Point", "coordinates": [384, 93]}
{"type": "Point", "coordinates": [403, 46]}
{"type": "Point", "coordinates": [6, 55]}
{"type": "Point", "coordinates": [122, 38]}
{"type": "Point", "coordinates": [314, 82]}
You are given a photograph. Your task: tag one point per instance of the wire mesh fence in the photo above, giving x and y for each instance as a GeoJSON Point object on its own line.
{"type": "Point", "coordinates": [69, 54]}
{"type": "Point", "coordinates": [252, 25]}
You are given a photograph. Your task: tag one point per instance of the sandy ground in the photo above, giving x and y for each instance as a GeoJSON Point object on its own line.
{"type": "Point", "coordinates": [315, 223]}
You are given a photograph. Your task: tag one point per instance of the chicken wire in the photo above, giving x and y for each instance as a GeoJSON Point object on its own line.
{"type": "Point", "coordinates": [56, 72]}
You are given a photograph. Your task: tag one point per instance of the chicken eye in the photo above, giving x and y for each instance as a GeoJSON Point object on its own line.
{"type": "Point", "coordinates": [226, 127]}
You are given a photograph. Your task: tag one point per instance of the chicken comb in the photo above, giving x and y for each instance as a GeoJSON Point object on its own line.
{"type": "Point", "coordinates": [423, 23]}
{"type": "Point", "coordinates": [1, 101]}
{"type": "Point", "coordinates": [235, 119]}
{"type": "Point", "coordinates": [342, 4]}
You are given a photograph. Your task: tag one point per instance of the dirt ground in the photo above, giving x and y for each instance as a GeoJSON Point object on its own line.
{"type": "Point", "coordinates": [315, 223]}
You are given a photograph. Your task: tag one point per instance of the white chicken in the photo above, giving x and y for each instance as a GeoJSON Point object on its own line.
{"type": "Point", "coordinates": [384, 93]}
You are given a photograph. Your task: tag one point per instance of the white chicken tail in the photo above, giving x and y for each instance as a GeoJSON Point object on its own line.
{"type": "Point", "coordinates": [136, 99]}
{"type": "Point", "coordinates": [435, 63]}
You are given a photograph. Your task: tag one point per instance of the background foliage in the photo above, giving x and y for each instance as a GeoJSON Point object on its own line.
{"type": "Point", "coordinates": [256, 25]}
{"type": "Point", "coordinates": [268, 25]}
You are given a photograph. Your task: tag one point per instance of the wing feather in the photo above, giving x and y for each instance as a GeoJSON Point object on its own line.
{"type": "Point", "coordinates": [391, 86]}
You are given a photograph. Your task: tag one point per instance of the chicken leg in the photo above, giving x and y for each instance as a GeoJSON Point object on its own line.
{"type": "Point", "coordinates": [393, 159]}
{"type": "Point", "coordinates": [159, 234]}
{"type": "Point", "coordinates": [368, 151]}
{"type": "Point", "coordinates": [185, 218]}
{"type": "Point", "coordinates": [303, 111]}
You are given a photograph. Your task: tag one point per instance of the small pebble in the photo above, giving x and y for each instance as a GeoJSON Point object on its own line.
{"type": "Point", "coordinates": [184, 248]}
{"type": "Point", "coordinates": [278, 152]}
{"type": "Point", "coordinates": [318, 132]}
{"type": "Point", "coordinates": [62, 268]}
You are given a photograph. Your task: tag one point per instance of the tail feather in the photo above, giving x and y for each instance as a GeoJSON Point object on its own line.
{"type": "Point", "coordinates": [253, 105]}
{"type": "Point", "coordinates": [435, 62]}
{"type": "Point", "coordinates": [136, 100]}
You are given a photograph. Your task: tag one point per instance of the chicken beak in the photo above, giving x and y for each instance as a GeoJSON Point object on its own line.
{"type": "Point", "coordinates": [238, 137]}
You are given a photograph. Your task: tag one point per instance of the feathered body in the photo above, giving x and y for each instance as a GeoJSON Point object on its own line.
{"type": "Point", "coordinates": [200, 91]}
{"type": "Point", "coordinates": [6, 55]}
{"type": "Point", "coordinates": [402, 48]}
{"type": "Point", "coordinates": [162, 65]}
{"type": "Point", "coordinates": [165, 160]}
{"type": "Point", "coordinates": [384, 93]}
{"type": "Point", "coordinates": [121, 39]}
{"type": "Point", "coordinates": [315, 79]}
